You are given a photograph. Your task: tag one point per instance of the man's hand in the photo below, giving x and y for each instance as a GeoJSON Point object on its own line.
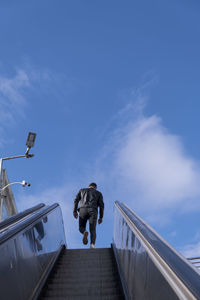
{"type": "Point", "coordinates": [75, 215]}
{"type": "Point", "coordinates": [100, 220]}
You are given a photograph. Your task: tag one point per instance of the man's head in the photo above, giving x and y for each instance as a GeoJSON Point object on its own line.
{"type": "Point", "coordinates": [93, 185]}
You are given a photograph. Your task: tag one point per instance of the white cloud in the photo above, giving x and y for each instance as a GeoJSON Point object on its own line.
{"type": "Point", "coordinates": [173, 234]}
{"type": "Point", "coordinates": [14, 97]}
{"type": "Point", "coordinates": [192, 250]}
{"type": "Point", "coordinates": [12, 100]}
{"type": "Point", "coordinates": [152, 166]}
{"type": "Point", "coordinates": [11, 96]}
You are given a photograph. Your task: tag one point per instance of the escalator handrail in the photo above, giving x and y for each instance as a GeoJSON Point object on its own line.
{"type": "Point", "coordinates": [12, 219]}
{"type": "Point", "coordinates": [177, 263]}
{"type": "Point", "coordinates": [27, 222]}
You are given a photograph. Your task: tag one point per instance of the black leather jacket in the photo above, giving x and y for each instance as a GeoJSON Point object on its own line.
{"type": "Point", "coordinates": [89, 198]}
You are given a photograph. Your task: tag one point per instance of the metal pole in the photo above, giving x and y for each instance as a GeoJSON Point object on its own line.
{"type": "Point", "coordinates": [1, 178]}
{"type": "Point", "coordinates": [29, 143]}
{"type": "Point", "coordinates": [1, 168]}
{"type": "Point", "coordinates": [18, 156]}
{"type": "Point", "coordinates": [8, 158]}
{"type": "Point", "coordinates": [10, 185]}
{"type": "Point", "coordinates": [1, 185]}
{"type": "Point", "coordinates": [2, 196]}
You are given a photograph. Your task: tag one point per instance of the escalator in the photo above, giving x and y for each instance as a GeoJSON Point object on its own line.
{"type": "Point", "coordinates": [84, 274]}
{"type": "Point", "coordinates": [35, 262]}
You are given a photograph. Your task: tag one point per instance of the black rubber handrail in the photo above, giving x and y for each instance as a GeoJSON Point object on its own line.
{"type": "Point", "coordinates": [12, 219]}
{"type": "Point", "coordinates": [183, 270]}
{"type": "Point", "coordinates": [27, 222]}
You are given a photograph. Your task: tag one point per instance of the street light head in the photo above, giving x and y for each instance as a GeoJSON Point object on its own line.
{"type": "Point", "coordinates": [30, 139]}
{"type": "Point", "coordinates": [30, 143]}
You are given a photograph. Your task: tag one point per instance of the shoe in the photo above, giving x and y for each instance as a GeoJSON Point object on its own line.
{"type": "Point", "coordinates": [85, 238]}
{"type": "Point", "coordinates": [92, 246]}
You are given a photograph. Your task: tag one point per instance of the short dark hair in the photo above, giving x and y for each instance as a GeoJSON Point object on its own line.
{"type": "Point", "coordinates": [93, 184]}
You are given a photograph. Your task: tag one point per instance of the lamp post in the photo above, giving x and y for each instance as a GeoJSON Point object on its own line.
{"type": "Point", "coordinates": [29, 143]}
{"type": "Point", "coordinates": [2, 196]}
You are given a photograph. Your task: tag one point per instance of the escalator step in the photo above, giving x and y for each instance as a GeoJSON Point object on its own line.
{"type": "Point", "coordinates": [84, 274]}
{"type": "Point", "coordinates": [83, 290]}
{"type": "Point", "coordinates": [84, 280]}
{"type": "Point", "coordinates": [82, 286]}
{"type": "Point", "coordinates": [104, 297]}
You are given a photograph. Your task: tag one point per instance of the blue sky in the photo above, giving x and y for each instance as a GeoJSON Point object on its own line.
{"type": "Point", "coordinates": [112, 90]}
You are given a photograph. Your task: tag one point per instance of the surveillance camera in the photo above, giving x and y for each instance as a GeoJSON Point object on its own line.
{"type": "Point", "coordinates": [24, 183]}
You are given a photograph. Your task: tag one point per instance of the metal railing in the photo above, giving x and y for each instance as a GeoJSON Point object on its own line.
{"type": "Point", "coordinates": [195, 261]}
{"type": "Point", "coordinates": [28, 250]}
{"type": "Point", "coordinates": [151, 268]}
{"type": "Point", "coordinates": [12, 219]}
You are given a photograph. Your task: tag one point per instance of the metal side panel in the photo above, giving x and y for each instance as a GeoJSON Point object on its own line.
{"type": "Point", "coordinates": [147, 276]}
{"type": "Point", "coordinates": [26, 256]}
{"type": "Point", "coordinates": [8, 273]}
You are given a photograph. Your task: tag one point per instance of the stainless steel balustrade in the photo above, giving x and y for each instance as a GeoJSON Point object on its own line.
{"type": "Point", "coordinates": [27, 252]}
{"type": "Point", "coordinates": [12, 219]}
{"type": "Point", "coordinates": [150, 268]}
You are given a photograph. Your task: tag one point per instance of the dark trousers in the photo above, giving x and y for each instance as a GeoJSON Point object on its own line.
{"type": "Point", "coordinates": [91, 215]}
